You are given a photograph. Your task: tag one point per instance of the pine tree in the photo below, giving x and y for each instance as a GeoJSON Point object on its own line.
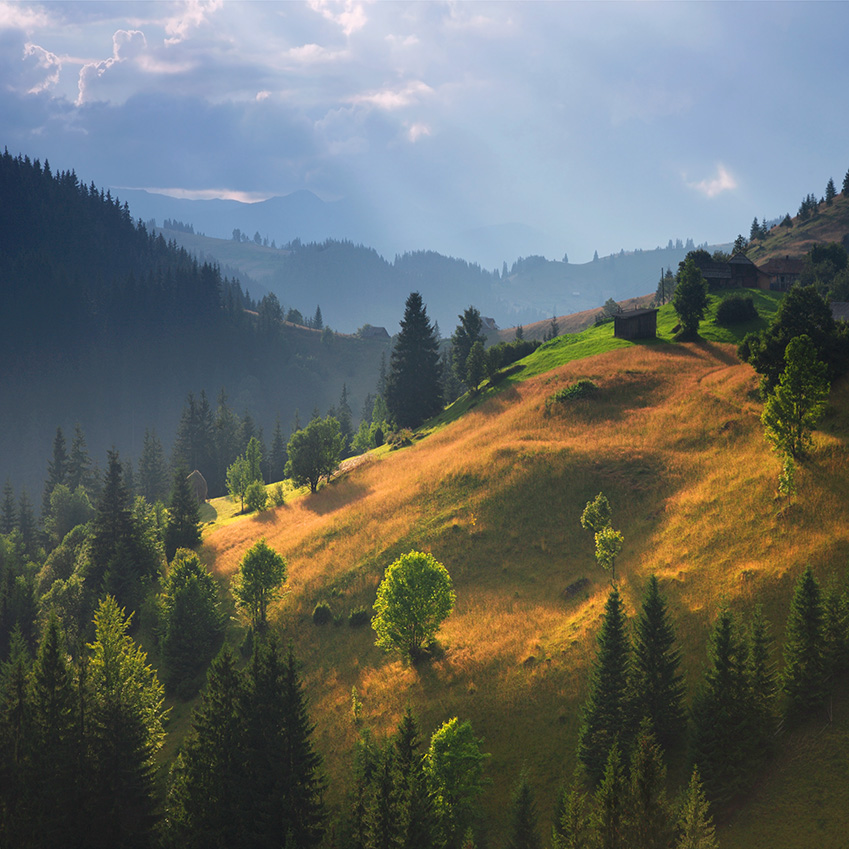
{"type": "Point", "coordinates": [804, 680]}
{"type": "Point", "coordinates": [570, 829]}
{"type": "Point", "coordinates": [658, 686]}
{"type": "Point", "coordinates": [835, 631]}
{"type": "Point", "coordinates": [79, 464]}
{"type": "Point", "coordinates": [412, 387]}
{"type": "Point", "coordinates": [124, 729]}
{"type": "Point", "coordinates": [384, 825]}
{"type": "Point", "coordinates": [208, 803]}
{"type": "Point", "coordinates": [182, 530]}
{"type": "Point", "coordinates": [524, 829]}
{"type": "Point", "coordinates": [416, 802]}
{"type": "Point", "coordinates": [57, 471]}
{"type": "Point", "coordinates": [317, 320]}
{"type": "Point", "coordinates": [28, 526]}
{"type": "Point", "coordinates": [695, 826]}
{"type": "Point", "coordinates": [690, 298]}
{"type": "Point", "coordinates": [606, 712]}
{"type": "Point", "coordinates": [9, 510]}
{"type": "Point", "coordinates": [152, 469]}
{"type": "Point", "coordinates": [830, 192]}
{"type": "Point", "coordinates": [846, 184]}
{"type": "Point", "coordinates": [762, 679]}
{"type": "Point", "coordinates": [722, 746]}
{"type": "Point", "coordinates": [648, 816]}
{"type": "Point", "coordinates": [608, 820]}
{"type": "Point", "coordinates": [278, 456]}
{"type": "Point", "coordinates": [345, 418]}
{"type": "Point", "coordinates": [55, 741]}
{"type": "Point", "coordinates": [468, 331]}
{"type": "Point", "coordinates": [227, 444]}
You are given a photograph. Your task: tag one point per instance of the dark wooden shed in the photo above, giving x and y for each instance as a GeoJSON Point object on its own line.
{"type": "Point", "coordinates": [635, 324]}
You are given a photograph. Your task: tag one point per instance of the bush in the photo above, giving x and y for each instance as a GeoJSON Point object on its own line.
{"type": "Point", "coordinates": [358, 617]}
{"type": "Point", "coordinates": [277, 497]}
{"type": "Point", "coordinates": [256, 498]}
{"type": "Point", "coordinates": [573, 392]}
{"type": "Point", "coordinates": [322, 614]}
{"type": "Point", "coordinates": [736, 310]}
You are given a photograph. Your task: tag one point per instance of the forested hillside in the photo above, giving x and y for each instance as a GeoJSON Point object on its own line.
{"type": "Point", "coordinates": [105, 324]}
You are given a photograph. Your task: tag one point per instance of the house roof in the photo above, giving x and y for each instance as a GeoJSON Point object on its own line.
{"type": "Point", "coordinates": [783, 265]}
{"type": "Point", "coordinates": [638, 313]}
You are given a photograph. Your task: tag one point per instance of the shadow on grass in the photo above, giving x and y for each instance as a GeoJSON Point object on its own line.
{"type": "Point", "coordinates": [335, 495]}
{"type": "Point", "coordinates": [207, 513]}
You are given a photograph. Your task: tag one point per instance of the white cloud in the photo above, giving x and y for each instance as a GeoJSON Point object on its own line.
{"type": "Point", "coordinates": [127, 45]}
{"type": "Point", "coordinates": [390, 99]}
{"type": "Point", "coordinates": [713, 186]}
{"type": "Point", "coordinates": [194, 14]}
{"type": "Point", "coordinates": [315, 54]}
{"type": "Point", "coordinates": [18, 16]}
{"type": "Point", "coordinates": [347, 14]}
{"type": "Point", "coordinates": [204, 194]}
{"type": "Point", "coordinates": [47, 66]}
{"type": "Point", "coordinates": [417, 131]}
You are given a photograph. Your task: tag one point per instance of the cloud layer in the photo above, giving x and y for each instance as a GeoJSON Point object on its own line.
{"type": "Point", "coordinates": [602, 126]}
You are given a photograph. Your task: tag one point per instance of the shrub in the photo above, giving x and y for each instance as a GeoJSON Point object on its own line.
{"type": "Point", "coordinates": [256, 498]}
{"type": "Point", "coordinates": [573, 392]}
{"type": "Point", "coordinates": [322, 614]}
{"type": "Point", "coordinates": [736, 310]}
{"type": "Point", "coordinates": [358, 617]}
{"type": "Point", "coordinates": [277, 497]}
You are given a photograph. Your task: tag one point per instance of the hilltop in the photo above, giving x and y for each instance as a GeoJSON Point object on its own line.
{"type": "Point", "coordinates": [674, 440]}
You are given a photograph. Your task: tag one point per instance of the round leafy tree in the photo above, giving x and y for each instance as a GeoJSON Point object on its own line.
{"type": "Point", "coordinates": [413, 599]}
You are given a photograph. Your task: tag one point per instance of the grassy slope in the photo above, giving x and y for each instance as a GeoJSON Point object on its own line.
{"type": "Point", "coordinates": [674, 440]}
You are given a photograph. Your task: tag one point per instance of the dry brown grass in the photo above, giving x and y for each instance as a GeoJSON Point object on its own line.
{"type": "Point", "coordinates": [673, 439]}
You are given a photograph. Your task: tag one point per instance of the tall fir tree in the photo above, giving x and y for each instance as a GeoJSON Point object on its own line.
{"type": "Point", "coordinates": [182, 528]}
{"type": "Point", "coordinates": [57, 750]}
{"type": "Point", "coordinates": [570, 829]}
{"type": "Point", "coordinates": [648, 815]}
{"type": "Point", "coordinates": [384, 824]}
{"type": "Point", "coordinates": [606, 713]}
{"type": "Point", "coordinates": [722, 746]}
{"type": "Point", "coordinates": [608, 819]}
{"type": "Point", "coordinates": [208, 802]}
{"type": "Point", "coordinates": [8, 510]}
{"type": "Point", "coordinates": [524, 826]}
{"type": "Point", "coordinates": [763, 683]}
{"type": "Point", "coordinates": [57, 471]}
{"type": "Point", "coordinates": [28, 526]}
{"type": "Point", "coordinates": [124, 731]}
{"type": "Point", "coordinates": [227, 444]}
{"type": "Point", "coordinates": [658, 686]}
{"type": "Point", "coordinates": [417, 804]}
{"type": "Point", "coordinates": [80, 471]}
{"type": "Point", "coordinates": [277, 458]}
{"type": "Point", "coordinates": [695, 825]}
{"type": "Point", "coordinates": [804, 680]}
{"type": "Point", "coordinates": [467, 332]}
{"type": "Point", "coordinates": [153, 478]}
{"type": "Point", "coordinates": [413, 386]}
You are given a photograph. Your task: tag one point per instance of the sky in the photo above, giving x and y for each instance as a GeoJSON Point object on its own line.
{"type": "Point", "coordinates": [596, 126]}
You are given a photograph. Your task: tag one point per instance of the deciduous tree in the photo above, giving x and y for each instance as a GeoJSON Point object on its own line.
{"type": "Point", "coordinates": [315, 452]}
{"type": "Point", "coordinates": [259, 582]}
{"type": "Point", "coordinates": [413, 599]}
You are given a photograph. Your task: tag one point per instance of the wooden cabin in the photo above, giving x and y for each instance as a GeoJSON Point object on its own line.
{"type": "Point", "coordinates": [635, 324]}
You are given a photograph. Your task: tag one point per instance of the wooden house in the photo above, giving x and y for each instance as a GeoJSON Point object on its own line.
{"type": "Point", "coordinates": [635, 324]}
{"type": "Point", "coordinates": [780, 273]}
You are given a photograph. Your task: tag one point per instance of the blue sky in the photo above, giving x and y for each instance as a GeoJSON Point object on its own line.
{"type": "Point", "coordinates": [597, 126]}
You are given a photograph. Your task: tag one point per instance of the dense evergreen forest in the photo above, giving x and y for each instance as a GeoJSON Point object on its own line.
{"type": "Point", "coordinates": [105, 324]}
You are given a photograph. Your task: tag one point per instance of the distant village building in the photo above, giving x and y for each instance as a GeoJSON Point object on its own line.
{"type": "Point", "coordinates": [368, 331]}
{"type": "Point", "coordinates": [779, 274]}
{"type": "Point", "coordinates": [738, 272]}
{"type": "Point", "coordinates": [635, 324]}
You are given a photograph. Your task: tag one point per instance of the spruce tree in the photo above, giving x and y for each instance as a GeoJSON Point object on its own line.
{"type": "Point", "coordinates": [524, 828]}
{"type": "Point", "coordinates": [648, 816]}
{"type": "Point", "coordinates": [153, 482]}
{"type": "Point", "coordinates": [606, 712]}
{"type": "Point", "coordinates": [722, 745]}
{"type": "Point", "coordinates": [57, 471]}
{"type": "Point", "coordinates": [56, 744]}
{"type": "Point", "coordinates": [658, 686]}
{"type": "Point", "coordinates": [467, 332]}
{"type": "Point", "coordinates": [763, 683]}
{"type": "Point", "coordinates": [804, 680]}
{"type": "Point", "coordinates": [28, 526]}
{"type": "Point", "coordinates": [9, 510]}
{"type": "Point", "coordinates": [695, 826]}
{"type": "Point", "coordinates": [830, 192]}
{"type": "Point", "coordinates": [80, 471]}
{"type": "Point", "coordinates": [182, 529]}
{"type": "Point", "coordinates": [277, 457]}
{"type": "Point", "coordinates": [413, 386]}
{"type": "Point", "coordinates": [227, 444]}
{"type": "Point", "coordinates": [846, 184]}
{"type": "Point", "coordinates": [384, 825]}
{"type": "Point", "coordinates": [608, 819]}
{"type": "Point", "coordinates": [416, 802]}
{"type": "Point", "coordinates": [570, 828]}
{"type": "Point", "coordinates": [835, 631]}
{"type": "Point", "coordinates": [208, 802]}
{"type": "Point", "coordinates": [124, 730]}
